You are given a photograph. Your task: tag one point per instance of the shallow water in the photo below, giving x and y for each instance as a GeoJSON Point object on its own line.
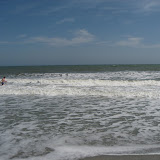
{"type": "Point", "coordinates": [66, 116]}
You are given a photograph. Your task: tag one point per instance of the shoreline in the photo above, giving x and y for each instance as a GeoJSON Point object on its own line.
{"type": "Point", "coordinates": [124, 157]}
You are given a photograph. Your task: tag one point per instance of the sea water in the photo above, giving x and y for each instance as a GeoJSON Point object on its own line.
{"type": "Point", "coordinates": [70, 112]}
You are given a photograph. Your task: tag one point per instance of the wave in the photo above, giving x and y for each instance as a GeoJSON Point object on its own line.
{"type": "Point", "coordinates": [81, 87]}
{"type": "Point", "coordinates": [79, 152]}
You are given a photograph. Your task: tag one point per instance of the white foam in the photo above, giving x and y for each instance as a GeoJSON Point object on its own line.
{"type": "Point", "coordinates": [77, 152]}
{"type": "Point", "coordinates": [71, 114]}
{"type": "Point", "coordinates": [81, 87]}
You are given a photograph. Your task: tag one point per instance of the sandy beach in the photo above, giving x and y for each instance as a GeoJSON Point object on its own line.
{"type": "Point", "coordinates": [124, 157]}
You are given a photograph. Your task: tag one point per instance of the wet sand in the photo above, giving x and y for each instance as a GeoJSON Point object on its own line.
{"type": "Point", "coordinates": [124, 157]}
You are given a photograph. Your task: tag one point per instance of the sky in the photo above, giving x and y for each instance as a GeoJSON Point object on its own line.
{"type": "Point", "coordinates": [79, 32]}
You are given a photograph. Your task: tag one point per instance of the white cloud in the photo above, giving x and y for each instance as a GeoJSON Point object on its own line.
{"type": "Point", "coordinates": [151, 6]}
{"type": "Point", "coordinates": [65, 20]}
{"type": "Point", "coordinates": [22, 36]}
{"type": "Point", "coordinates": [135, 42]}
{"type": "Point", "coordinates": [50, 10]}
{"type": "Point", "coordinates": [148, 6]}
{"type": "Point", "coordinates": [152, 46]}
{"type": "Point", "coordinates": [130, 42]}
{"type": "Point", "coordinates": [80, 37]}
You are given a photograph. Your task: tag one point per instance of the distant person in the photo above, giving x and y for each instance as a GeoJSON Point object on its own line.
{"type": "Point", "coordinates": [3, 80]}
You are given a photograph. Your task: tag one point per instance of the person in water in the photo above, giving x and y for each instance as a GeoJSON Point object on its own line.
{"type": "Point", "coordinates": [3, 80]}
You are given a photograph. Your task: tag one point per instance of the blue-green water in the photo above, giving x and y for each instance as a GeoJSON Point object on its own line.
{"type": "Point", "coordinates": [77, 68]}
{"type": "Point", "coordinates": [70, 112]}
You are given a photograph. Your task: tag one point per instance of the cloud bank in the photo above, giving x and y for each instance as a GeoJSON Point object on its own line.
{"type": "Point", "coordinates": [65, 20]}
{"type": "Point", "coordinates": [81, 36]}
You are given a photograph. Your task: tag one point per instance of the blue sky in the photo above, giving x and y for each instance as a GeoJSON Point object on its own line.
{"type": "Point", "coordinates": [67, 32]}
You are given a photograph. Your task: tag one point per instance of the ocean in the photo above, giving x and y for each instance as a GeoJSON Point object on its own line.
{"type": "Point", "coordinates": [72, 112]}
